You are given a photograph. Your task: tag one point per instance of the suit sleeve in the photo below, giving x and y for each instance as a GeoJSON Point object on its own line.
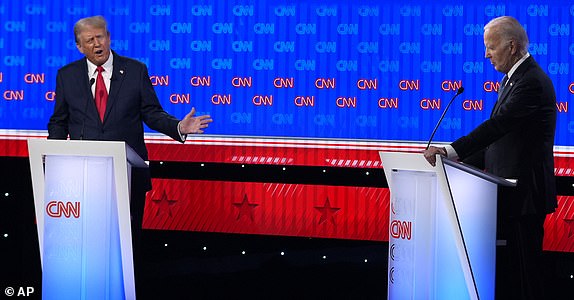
{"type": "Point", "coordinates": [523, 104]}
{"type": "Point", "coordinates": [58, 123]}
{"type": "Point", "coordinates": [153, 114]}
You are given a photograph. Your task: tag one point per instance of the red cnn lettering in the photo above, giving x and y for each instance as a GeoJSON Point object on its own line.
{"type": "Point", "coordinates": [491, 86]}
{"type": "Point", "coordinates": [13, 95]}
{"type": "Point", "coordinates": [427, 104]}
{"type": "Point", "coordinates": [562, 107]}
{"type": "Point", "coordinates": [304, 101]}
{"type": "Point", "coordinates": [401, 229]}
{"type": "Point", "coordinates": [472, 105]}
{"type": "Point", "coordinates": [159, 80]}
{"type": "Point", "coordinates": [34, 78]}
{"type": "Point", "coordinates": [392, 103]}
{"type": "Point", "coordinates": [179, 98]}
{"type": "Point", "coordinates": [570, 87]}
{"type": "Point", "coordinates": [50, 96]}
{"type": "Point", "coordinates": [260, 100]}
{"type": "Point", "coordinates": [367, 84]}
{"type": "Point", "coordinates": [413, 85]}
{"type": "Point", "coordinates": [325, 83]}
{"type": "Point", "coordinates": [284, 82]}
{"type": "Point", "coordinates": [344, 102]}
{"type": "Point", "coordinates": [241, 81]}
{"type": "Point", "coordinates": [219, 99]}
{"type": "Point", "coordinates": [56, 209]}
{"type": "Point", "coordinates": [450, 85]}
{"type": "Point", "coordinates": [200, 81]}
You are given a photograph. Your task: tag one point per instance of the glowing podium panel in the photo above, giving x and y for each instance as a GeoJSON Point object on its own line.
{"type": "Point", "coordinates": [442, 231]}
{"type": "Point", "coordinates": [81, 197]}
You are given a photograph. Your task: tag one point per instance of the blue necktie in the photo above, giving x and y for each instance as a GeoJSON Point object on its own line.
{"type": "Point", "coordinates": [500, 90]}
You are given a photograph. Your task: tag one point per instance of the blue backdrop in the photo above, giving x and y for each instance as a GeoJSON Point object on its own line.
{"type": "Point", "coordinates": [377, 70]}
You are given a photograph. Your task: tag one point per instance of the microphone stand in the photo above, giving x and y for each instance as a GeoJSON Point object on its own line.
{"type": "Point", "coordinates": [458, 92]}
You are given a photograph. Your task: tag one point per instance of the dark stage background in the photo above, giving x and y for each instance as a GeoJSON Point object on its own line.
{"type": "Point", "coordinates": [176, 265]}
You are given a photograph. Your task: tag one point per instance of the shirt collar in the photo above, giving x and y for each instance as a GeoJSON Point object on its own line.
{"type": "Point", "coordinates": [517, 64]}
{"type": "Point", "coordinates": [108, 66]}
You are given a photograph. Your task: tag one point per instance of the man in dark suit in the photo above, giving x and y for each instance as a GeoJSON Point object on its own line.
{"type": "Point", "coordinates": [105, 96]}
{"type": "Point", "coordinates": [516, 142]}
{"type": "Point", "coordinates": [131, 98]}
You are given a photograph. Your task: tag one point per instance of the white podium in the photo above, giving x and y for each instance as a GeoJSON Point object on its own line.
{"type": "Point", "coordinates": [442, 231]}
{"type": "Point", "coordinates": [81, 197]}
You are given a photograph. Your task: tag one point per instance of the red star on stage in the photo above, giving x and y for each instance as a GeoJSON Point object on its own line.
{"type": "Point", "coordinates": [327, 212]}
{"type": "Point", "coordinates": [164, 204]}
{"type": "Point", "coordinates": [245, 208]}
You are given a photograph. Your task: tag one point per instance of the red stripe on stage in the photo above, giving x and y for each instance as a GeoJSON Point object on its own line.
{"type": "Point", "coordinates": [351, 155]}
{"type": "Point", "coordinates": [559, 226]}
{"type": "Point", "coordinates": [357, 213]}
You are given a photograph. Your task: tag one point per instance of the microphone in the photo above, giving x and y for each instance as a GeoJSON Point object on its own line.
{"type": "Point", "coordinates": [458, 92]}
{"type": "Point", "coordinates": [92, 81]}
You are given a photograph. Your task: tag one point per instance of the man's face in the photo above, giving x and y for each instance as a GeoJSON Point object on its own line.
{"type": "Point", "coordinates": [94, 43]}
{"type": "Point", "coordinates": [499, 51]}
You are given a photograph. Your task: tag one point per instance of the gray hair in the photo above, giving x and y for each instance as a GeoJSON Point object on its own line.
{"type": "Point", "coordinates": [510, 29]}
{"type": "Point", "coordinates": [95, 22]}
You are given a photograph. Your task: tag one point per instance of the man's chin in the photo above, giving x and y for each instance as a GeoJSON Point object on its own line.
{"type": "Point", "coordinates": [95, 61]}
{"type": "Point", "coordinates": [99, 60]}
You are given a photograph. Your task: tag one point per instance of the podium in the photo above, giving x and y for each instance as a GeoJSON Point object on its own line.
{"type": "Point", "coordinates": [442, 230]}
{"type": "Point", "coordinates": [81, 197]}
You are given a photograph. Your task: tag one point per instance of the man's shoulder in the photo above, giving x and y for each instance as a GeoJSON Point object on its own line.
{"type": "Point", "coordinates": [128, 61]}
{"type": "Point", "coordinates": [531, 70]}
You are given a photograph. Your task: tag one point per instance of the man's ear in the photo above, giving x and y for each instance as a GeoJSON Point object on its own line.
{"type": "Point", "coordinates": [79, 48]}
{"type": "Point", "coordinates": [513, 47]}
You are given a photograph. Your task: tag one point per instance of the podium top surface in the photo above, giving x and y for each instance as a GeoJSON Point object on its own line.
{"type": "Point", "coordinates": [416, 161]}
{"type": "Point", "coordinates": [479, 173]}
{"type": "Point", "coordinates": [86, 148]}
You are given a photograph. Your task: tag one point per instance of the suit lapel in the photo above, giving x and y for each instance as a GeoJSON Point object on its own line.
{"type": "Point", "coordinates": [116, 81]}
{"type": "Point", "coordinates": [518, 74]}
{"type": "Point", "coordinates": [505, 92]}
{"type": "Point", "coordinates": [83, 82]}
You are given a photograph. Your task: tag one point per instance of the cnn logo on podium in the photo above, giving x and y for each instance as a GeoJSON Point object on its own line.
{"type": "Point", "coordinates": [57, 209]}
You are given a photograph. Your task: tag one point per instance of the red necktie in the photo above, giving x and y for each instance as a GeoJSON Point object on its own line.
{"type": "Point", "coordinates": [101, 93]}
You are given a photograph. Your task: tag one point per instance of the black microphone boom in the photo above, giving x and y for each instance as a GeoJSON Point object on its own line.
{"type": "Point", "coordinates": [92, 81]}
{"type": "Point", "coordinates": [458, 92]}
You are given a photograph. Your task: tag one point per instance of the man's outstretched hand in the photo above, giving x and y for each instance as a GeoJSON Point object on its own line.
{"type": "Point", "coordinates": [191, 124]}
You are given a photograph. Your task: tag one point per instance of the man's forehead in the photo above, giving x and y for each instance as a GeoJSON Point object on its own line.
{"type": "Point", "coordinates": [89, 30]}
{"type": "Point", "coordinates": [491, 35]}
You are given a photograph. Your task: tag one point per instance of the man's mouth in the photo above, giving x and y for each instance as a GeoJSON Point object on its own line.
{"type": "Point", "coordinates": [99, 52]}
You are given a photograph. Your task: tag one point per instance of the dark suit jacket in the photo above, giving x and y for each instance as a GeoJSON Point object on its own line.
{"type": "Point", "coordinates": [518, 140]}
{"type": "Point", "coordinates": [131, 101]}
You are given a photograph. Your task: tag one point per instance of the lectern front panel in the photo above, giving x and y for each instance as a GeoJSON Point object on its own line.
{"type": "Point", "coordinates": [411, 236]}
{"type": "Point", "coordinates": [81, 237]}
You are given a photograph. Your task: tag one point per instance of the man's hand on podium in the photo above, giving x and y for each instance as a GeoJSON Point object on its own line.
{"type": "Point", "coordinates": [431, 152]}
